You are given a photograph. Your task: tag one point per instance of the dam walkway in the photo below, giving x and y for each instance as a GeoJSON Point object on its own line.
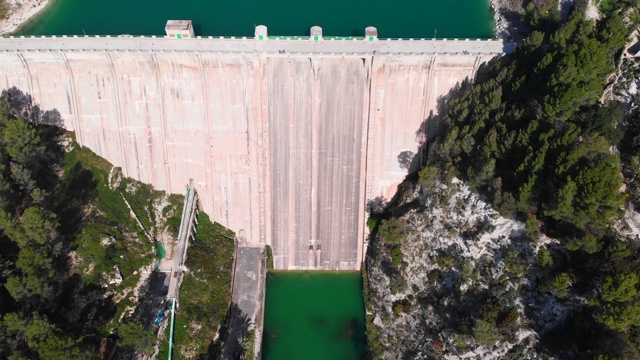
{"type": "Point", "coordinates": [187, 230]}
{"type": "Point", "coordinates": [278, 45]}
{"type": "Point", "coordinates": [246, 313]}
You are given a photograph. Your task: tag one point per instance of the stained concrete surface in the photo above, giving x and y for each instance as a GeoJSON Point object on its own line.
{"type": "Point", "coordinates": [247, 300]}
{"type": "Point", "coordinates": [287, 147]}
{"type": "Point", "coordinates": [316, 130]}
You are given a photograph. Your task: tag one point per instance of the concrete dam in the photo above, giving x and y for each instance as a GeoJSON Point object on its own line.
{"type": "Point", "coordinates": [287, 138]}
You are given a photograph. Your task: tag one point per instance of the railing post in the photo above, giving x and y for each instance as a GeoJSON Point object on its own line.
{"type": "Point", "coordinates": [173, 318]}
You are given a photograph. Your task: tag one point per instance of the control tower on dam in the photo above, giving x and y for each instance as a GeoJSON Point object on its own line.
{"type": "Point", "coordinates": [285, 138]}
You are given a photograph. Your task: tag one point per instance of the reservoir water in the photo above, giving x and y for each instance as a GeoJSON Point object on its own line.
{"type": "Point", "coordinates": [314, 315]}
{"type": "Point", "coordinates": [394, 19]}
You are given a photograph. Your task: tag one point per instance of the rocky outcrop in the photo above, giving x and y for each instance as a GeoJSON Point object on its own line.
{"type": "Point", "coordinates": [450, 278]}
{"type": "Point", "coordinates": [508, 19]}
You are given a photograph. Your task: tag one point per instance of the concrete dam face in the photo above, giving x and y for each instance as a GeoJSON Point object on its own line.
{"type": "Point", "coordinates": [285, 139]}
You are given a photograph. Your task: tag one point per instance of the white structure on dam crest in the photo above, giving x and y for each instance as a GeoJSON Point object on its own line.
{"type": "Point", "coordinates": [286, 138]}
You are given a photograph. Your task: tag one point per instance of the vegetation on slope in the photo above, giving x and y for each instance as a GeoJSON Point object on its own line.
{"type": "Point", "coordinates": [205, 292]}
{"type": "Point", "coordinates": [532, 137]}
{"type": "Point", "coordinates": [74, 260]}
{"type": "Point", "coordinates": [4, 9]}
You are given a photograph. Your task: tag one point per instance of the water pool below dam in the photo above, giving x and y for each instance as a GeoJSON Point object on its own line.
{"type": "Point", "coordinates": [314, 316]}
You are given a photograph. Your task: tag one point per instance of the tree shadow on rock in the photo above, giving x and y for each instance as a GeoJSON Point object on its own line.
{"type": "Point", "coordinates": [433, 128]}
{"type": "Point", "coordinates": [82, 309]}
{"type": "Point", "coordinates": [79, 189]}
{"type": "Point", "coordinates": [154, 299]}
{"type": "Point", "coordinates": [376, 206]}
{"type": "Point", "coordinates": [231, 344]}
{"type": "Point", "coordinates": [428, 136]}
{"type": "Point", "coordinates": [515, 28]}
{"type": "Point", "coordinates": [21, 105]}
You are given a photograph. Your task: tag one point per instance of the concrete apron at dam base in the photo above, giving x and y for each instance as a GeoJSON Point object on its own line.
{"type": "Point", "coordinates": [286, 138]}
{"type": "Point", "coordinates": [246, 311]}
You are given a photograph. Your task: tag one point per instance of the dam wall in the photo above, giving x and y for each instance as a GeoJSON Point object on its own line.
{"type": "Point", "coordinates": [286, 139]}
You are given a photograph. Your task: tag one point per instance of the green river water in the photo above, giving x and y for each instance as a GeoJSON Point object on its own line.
{"type": "Point", "coordinates": [394, 19]}
{"type": "Point", "coordinates": [313, 315]}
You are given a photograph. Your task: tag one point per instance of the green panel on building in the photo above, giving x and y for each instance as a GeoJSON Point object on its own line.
{"type": "Point", "coordinates": [179, 36]}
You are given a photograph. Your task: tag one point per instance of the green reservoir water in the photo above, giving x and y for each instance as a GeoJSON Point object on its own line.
{"type": "Point", "coordinates": [314, 315]}
{"type": "Point", "coordinates": [394, 19]}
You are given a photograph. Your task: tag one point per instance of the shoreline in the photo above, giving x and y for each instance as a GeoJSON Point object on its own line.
{"type": "Point", "coordinates": [502, 28]}
{"type": "Point", "coordinates": [22, 13]}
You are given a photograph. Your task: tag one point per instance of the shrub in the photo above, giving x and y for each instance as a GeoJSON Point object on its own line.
{"type": "Point", "coordinates": [392, 231]}
{"type": "Point", "coordinates": [401, 306]}
{"type": "Point", "coordinates": [560, 285]}
{"type": "Point", "coordinates": [372, 223]}
{"type": "Point", "coordinates": [485, 332]}
{"type": "Point", "coordinates": [544, 258]}
{"type": "Point", "coordinates": [515, 264]}
{"type": "Point", "coordinates": [396, 256]}
{"type": "Point", "coordinates": [160, 252]}
{"type": "Point", "coordinates": [269, 254]}
{"type": "Point", "coordinates": [4, 9]}
{"type": "Point", "coordinates": [429, 176]}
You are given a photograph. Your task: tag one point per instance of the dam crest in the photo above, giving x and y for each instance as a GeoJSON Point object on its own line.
{"type": "Point", "coordinates": [286, 138]}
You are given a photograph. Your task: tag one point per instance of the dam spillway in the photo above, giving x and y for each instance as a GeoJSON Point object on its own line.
{"type": "Point", "coordinates": [285, 138]}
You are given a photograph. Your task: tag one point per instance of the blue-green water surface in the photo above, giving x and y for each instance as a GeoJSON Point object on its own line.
{"type": "Point", "coordinates": [314, 315]}
{"type": "Point", "coordinates": [394, 19]}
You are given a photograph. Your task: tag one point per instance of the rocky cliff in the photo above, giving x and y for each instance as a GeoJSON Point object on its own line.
{"type": "Point", "coordinates": [448, 277]}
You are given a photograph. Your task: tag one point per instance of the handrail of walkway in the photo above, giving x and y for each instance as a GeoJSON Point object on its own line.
{"type": "Point", "coordinates": [270, 37]}
{"type": "Point", "coordinates": [184, 211]}
{"type": "Point", "coordinates": [281, 45]}
{"type": "Point", "coordinates": [186, 222]}
{"type": "Point", "coordinates": [173, 321]}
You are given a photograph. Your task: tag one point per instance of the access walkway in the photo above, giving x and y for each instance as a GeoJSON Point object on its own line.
{"type": "Point", "coordinates": [247, 299]}
{"type": "Point", "coordinates": [187, 230]}
{"type": "Point", "coordinates": [278, 45]}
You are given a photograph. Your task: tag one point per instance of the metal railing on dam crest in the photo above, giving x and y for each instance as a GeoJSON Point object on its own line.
{"type": "Point", "coordinates": [268, 44]}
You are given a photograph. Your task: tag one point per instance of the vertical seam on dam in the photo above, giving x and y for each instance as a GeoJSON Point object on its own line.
{"type": "Point", "coordinates": [250, 129]}
{"type": "Point", "coordinates": [476, 64]}
{"type": "Point", "coordinates": [315, 153]}
{"type": "Point", "coordinates": [207, 117]}
{"type": "Point", "coordinates": [361, 249]}
{"type": "Point", "coordinates": [266, 144]}
{"type": "Point", "coordinates": [429, 105]}
{"type": "Point", "coordinates": [163, 123]}
{"type": "Point", "coordinates": [26, 66]}
{"type": "Point", "coordinates": [76, 114]}
{"type": "Point", "coordinates": [426, 111]}
{"type": "Point", "coordinates": [370, 132]}
{"type": "Point", "coordinates": [116, 94]}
